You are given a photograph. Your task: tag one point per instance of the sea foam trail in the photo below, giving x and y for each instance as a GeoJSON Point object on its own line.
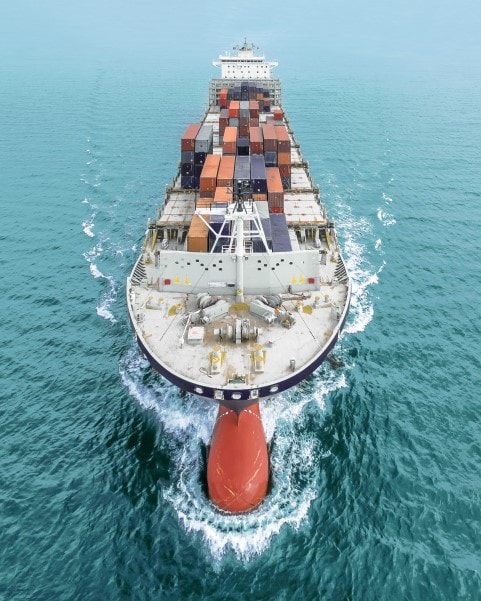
{"type": "Point", "coordinates": [294, 457]}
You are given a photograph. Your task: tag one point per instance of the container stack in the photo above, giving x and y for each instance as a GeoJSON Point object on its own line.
{"type": "Point", "coordinates": [187, 151]}
{"type": "Point", "coordinates": [275, 191]}
{"type": "Point", "coordinates": [204, 144]}
{"type": "Point", "coordinates": [197, 236]}
{"type": "Point", "coordinates": [284, 154]}
{"type": "Point", "coordinates": [208, 176]}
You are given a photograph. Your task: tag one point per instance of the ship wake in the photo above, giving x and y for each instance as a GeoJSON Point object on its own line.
{"type": "Point", "coordinates": [292, 424]}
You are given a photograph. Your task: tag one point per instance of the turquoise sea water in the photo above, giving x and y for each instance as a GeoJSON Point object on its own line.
{"type": "Point", "coordinates": [376, 464]}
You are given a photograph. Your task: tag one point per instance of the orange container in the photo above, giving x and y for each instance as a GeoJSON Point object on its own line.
{"type": "Point", "coordinates": [203, 202]}
{"type": "Point", "coordinates": [234, 106]}
{"type": "Point", "coordinates": [225, 174]}
{"type": "Point", "coordinates": [208, 176]}
{"type": "Point", "coordinates": [223, 194]}
{"type": "Point", "coordinates": [259, 197]}
{"type": "Point", "coordinates": [198, 235]}
{"type": "Point", "coordinates": [275, 191]}
{"type": "Point", "coordinates": [283, 158]}
{"type": "Point", "coordinates": [229, 146]}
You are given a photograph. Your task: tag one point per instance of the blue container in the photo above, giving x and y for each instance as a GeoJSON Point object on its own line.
{"type": "Point", "coordinates": [258, 245]}
{"type": "Point", "coordinates": [216, 222]}
{"type": "Point", "coordinates": [271, 158]}
{"type": "Point", "coordinates": [258, 174]}
{"type": "Point", "coordinates": [280, 233]}
{"type": "Point", "coordinates": [187, 169]}
{"type": "Point", "coordinates": [199, 158]}
{"type": "Point", "coordinates": [243, 146]}
{"type": "Point", "coordinates": [188, 182]}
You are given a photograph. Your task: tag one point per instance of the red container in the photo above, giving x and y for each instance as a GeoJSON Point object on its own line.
{"type": "Point", "coordinates": [275, 191]}
{"type": "Point", "coordinates": [234, 107]}
{"type": "Point", "coordinates": [253, 109]}
{"type": "Point", "coordinates": [229, 145]}
{"type": "Point", "coordinates": [278, 114]}
{"type": "Point", "coordinates": [243, 131]}
{"type": "Point", "coordinates": [283, 139]}
{"type": "Point", "coordinates": [187, 142]}
{"type": "Point", "coordinates": [254, 122]}
{"type": "Point", "coordinates": [256, 141]}
{"type": "Point", "coordinates": [270, 138]}
{"type": "Point", "coordinates": [285, 170]}
{"type": "Point", "coordinates": [223, 98]}
{"type": "Point", "coordinates": [225, 175]}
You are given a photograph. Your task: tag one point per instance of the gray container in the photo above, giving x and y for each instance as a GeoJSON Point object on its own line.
{"type": "Point", "coordinates": [242, 174]}
{"type": "Point", "coordinates": [187, 156]}
{"type": "Point", "coordinates": [204, 139]}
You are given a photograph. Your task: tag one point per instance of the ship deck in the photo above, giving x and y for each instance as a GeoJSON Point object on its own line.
{"type": "Point", "coordinates": [237, 348]}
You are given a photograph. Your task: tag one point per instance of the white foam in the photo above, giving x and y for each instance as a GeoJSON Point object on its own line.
{"type": "Point", "coordinates": [385, 218]}
{"type": "Point", "coordinates": [378, 244]}
{"type": "Point", "coordinates": [87, 226]}
{"type": "Point", "coordinates": [294, 459]}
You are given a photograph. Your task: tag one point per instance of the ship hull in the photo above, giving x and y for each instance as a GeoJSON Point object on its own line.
{"type": "Point", "coordinates": [224, 396]}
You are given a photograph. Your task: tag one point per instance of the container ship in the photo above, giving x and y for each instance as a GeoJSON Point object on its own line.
{"type": "Point", "coordinates": [240, 291]}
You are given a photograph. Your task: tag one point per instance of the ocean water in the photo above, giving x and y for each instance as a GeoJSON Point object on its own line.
{"type": "Point", "coordinates": [375, 462]}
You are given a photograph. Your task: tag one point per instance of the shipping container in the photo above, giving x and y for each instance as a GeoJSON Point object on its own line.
{"type": "Point", "coordinates": [203, 202]}
{"type": "Point", "coordinates": [260, 197]}
{"type": "Point", "coordinates": [234, 108]}
{"type": "Point", "coordinates": [258, 174]}
{"type": "Point", "coordinates": [187, 169]}
{"type": "Point", "coordinates": [275, 191]}
{"type": "Point", "coordinates": [253, 109]}
{"type": "Point", "coordinates": [187, 156]}
{"type": "Point", "coordinates": [218, 224]}
{"type": "Point", "coordinates": [271, 158]}
{"type": "Point", "coordinates": [284, 158]}
{"type": "Point", "coordinates": [225, 175]}
{"type": "Point", "coordinates": [270, 137]}
{"type": "Point", "coordinates": [244, 131]}
{"type": "Point", "coordinates": [204, 139]}
{"type": "Point", "coordinates": [258, 244]}
{"type": "Point", "coordinates": [278, 114]}
{"type": "Point", "coordinates": [254, 122]}
{"type": "Point", "coordinates": [187, 141]}
{"type": "Point", "coordinates": [233, 121]}
{"type": "Point", "coordinates": [229, 145]}
{"type": "Point", "coordinates": [281, 241]}
{"type": "Point", "coordinates": [208, 177]}
{"type": "Point", "coordinates": [242, 174]}
{"type": "Point", "coordinates": [223, 194]}
{"type": "Point", "coordinates": [223, 98]}
{"type": "Point", "coordinates": [188, 182]}
{"type": "Point", "coordinates": [197, 236]}
{"type": "Point", "coordinates": [256, 140]}
{"type": "Point", "coordinates": [199, 158]}
{"type": "Point", "coordinates": [283, 139]}
{"type": "Point", "coordinates": [243, 146]}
